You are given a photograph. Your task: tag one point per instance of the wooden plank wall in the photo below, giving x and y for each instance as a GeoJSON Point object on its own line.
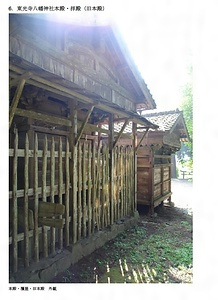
{"type": "Point", "coordinates": [43, 233]}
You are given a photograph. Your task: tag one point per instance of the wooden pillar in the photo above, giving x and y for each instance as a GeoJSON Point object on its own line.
{"type": "Point", "coordinates": [134, 144]}
{"type": "Point", "coordinates": [170, 175]}
{"type": "Point", "coordinates": [73, 169]}
{"type": "Point", "coordinates": [152, 182]}
{"type": "Point", "coordinates": [111, 165]}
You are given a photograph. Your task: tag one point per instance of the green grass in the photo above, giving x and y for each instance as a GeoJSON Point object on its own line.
{"type": "Point", "coordinates": [150, 257]}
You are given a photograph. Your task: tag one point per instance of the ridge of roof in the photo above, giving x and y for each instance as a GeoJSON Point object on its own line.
{"type": "Point", "coordinates": [160, 113]}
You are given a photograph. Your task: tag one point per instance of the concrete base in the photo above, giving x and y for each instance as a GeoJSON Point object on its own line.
{"type": "Point", "coordinates": [48, 268]}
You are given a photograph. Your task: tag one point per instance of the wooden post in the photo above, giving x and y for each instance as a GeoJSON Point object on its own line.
{"type": "Point", "coordinates": [67, 194]}
{"type": "Point", "coordinates": [111, 165]}
{"type": "Point", "coordinates": [14, 207]}
{"type": "Point", "coordinates": [52, 190]}
{"type": "Point", "coordinates": [36, 202]}
{"type": "Point", "coordinates": [60, 185]}
{"type": "Point", "coordinates": [73, 146]}
{"type": "Point", "coordinates": [170, 175]}
{"type": "Point", "coordinates": [89, 190]}
{"type": "Point", "coordinates": [162, 180]}
{"type": "Point", "coordinates": [26, 186]}
{"type": "Point", "coordinates": [104, 221]}
{"type": "Point", "coordinates": [107, 185]}
{"type": "Point", "coordinates": [152, 182]}
{"type": "Point", "coordinates": [15, 100]}
{"type": "Point", "coordinates": [134, 145]}
{"type": "Point", "coordinates": [98, 189]}
{"type": "Point", "coordinates": [44, 198]}
{"type": "Point", "coordinates": [84, 178]}
{"type": "Point", "coordinates": [79, 190]}
{"type": "Point", "coordinates": [94, 185]}
{"type": "Point", "coordinates": [121, 180]}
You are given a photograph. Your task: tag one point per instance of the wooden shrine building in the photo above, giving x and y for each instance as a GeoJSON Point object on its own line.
{"type": "Point", "coordinates": [154, 157]}
{"type": "Point", "coordinates": [65, 184]}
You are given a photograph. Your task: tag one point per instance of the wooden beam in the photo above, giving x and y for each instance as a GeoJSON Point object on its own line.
{"type": "Point", "coordinates": [16, 99]}
{"type": "Point", "coordinates": [120, 133]}
{"type": "Point", "coordinates": [43, 117]}
{"type": "Point", "coordinates": [57, 88]}
{"type": "Point", "coordinates": [56, 120]}
{"type": "Point", "coordinates": [84, 124]}
{"type": "Point", "coordinates": [141, 139]}
{"type": "Point", "coordinates": [121, 119]}
{"type": "Point", "coordinates": [15, 81]}
{"type": "Point", "coordinates": [142, 127]}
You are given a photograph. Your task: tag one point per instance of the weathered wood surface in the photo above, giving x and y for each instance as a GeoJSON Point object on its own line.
{"type": "Point", "coordinates": [154, 176]}
{"type": "Point", "coordinates": [16, 99]}
{"type": "Point", "coordinates": [52, 184]}
{"type": "Point", "coordinates": [36, 201]}
{"type": "Point", "coordinates": [14, 206]}
{"type": "Point", "coordinates": [26, 206]}
{"type": "Point", "coordinates": [44, 198]}
{"type": "Point", "coordinates": [62, 65]}
{"type": "Point", "coordinates": [49, 209]}
{"type": "Point", "coordinates": [47, 201]}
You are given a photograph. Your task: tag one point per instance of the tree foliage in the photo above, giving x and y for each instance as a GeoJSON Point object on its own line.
{"type": "Point", "coordinates": [187, 108]}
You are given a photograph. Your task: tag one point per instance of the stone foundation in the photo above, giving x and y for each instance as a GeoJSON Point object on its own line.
{"type": "Point", "coordinates": [48, 268]}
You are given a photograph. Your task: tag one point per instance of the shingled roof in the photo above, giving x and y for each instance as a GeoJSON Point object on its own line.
{"type": "Point", "coordinates": [167, 121]}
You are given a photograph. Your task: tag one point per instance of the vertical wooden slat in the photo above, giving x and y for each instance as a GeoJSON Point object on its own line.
{"type": "Point", "coordinates": [126, 184]}
{"type": "Point", "coordinates": [152, 181]}
{"type": "Point", "coordinates": [14, 207]}
{"type": "Point", "coordinates": [111, 165]}
{"type": "Point", "coordinates": [103, 188]}
{"type": "Point", "coordinates": [107, 186]}
{"type": "Point", "coordinates": [74, 170]}
{"type": "Point", "coordinates": [115, 184]}
{"type": "Point", "coordinates": [98, 191]}
{"type": "Point", "coordinates": [79, 190]}
{"type": "Point", "coordinates": [118, 182]}
{"type": "Point", "coordinates": [60, 186]}
{"type": "Point", "coordinates": [67, 194]}
{"type": "Point", "coordinates": [89, 190]}
{"type": "Point", "coordinates": [84, 189]}
{"type": "Point", "coordinates": [134, 146]}
{"type": "Point", "coordinates": [121, 180]}
{"type": "Point", "coordinates": [94, 186]}
{"type": "Point", "coordinates": [127, 180]}
{"type": "Point", "coordinates": [44, 170]}
{"type": "Point", "coordinates": [134, 205]}
{"type": "Point", "coordinates": [170, 175]}
{"type": "Point", "coordinates": [52, 190]}
{"type": "Point", "coordinates": [36, 202]}
{"type": "Point", "coordinates": [26, 206]}
{"type": "Point", "coordinates": [161, 180]}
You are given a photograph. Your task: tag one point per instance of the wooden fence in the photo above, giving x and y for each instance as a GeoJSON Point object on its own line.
{"type": "Point", "coordinates": [46, 214]}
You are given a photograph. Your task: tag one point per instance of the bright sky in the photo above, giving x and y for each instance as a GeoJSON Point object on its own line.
{"type": "Point", "coordinates": [159, 36]}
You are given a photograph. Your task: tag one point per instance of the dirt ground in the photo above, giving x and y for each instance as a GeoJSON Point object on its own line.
{"type": "Point", "coordinates": [158, 249]}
